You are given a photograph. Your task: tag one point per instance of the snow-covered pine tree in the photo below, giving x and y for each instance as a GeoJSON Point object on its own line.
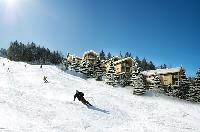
{"type": "Point", "coordinates": [182, 91]}
{"type": "Point", "coordinates": [194, 91]}
{"type": "Point", "coordinates": [191, 93]}
{"type": "Point", "coordinates": [197, 86]}
{"type": "Point", "coordinates": [91, 69]}
{"type": "Point", "coordinates": [184, 86]}
{"type": "Point", "coordinates": [111, 75]}
{"type": "Point", "coordinates": [156, 82]}
{"type": "Point", "coordinates": [137, 79]}
{"type": "Point", "coordinates": [139, 86]}
{"type": "Point", "coordinates": [123, 80]}
{"type": "Point", "coordinates": [137, 83]}
{"type": "Point", "coordinates": [84, 69]}
{"type": "Point", "coordinates": [98, 70]}
{"type": "Point", "coordinates": [74, 65]}
{"type": "Point", "coordinates": [65, 63]}
{"type": "Point", "coordinates": [134, 77]}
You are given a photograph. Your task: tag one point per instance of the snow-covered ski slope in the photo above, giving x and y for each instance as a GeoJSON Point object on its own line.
{"type": "Point", "coordinates": [27, 104]}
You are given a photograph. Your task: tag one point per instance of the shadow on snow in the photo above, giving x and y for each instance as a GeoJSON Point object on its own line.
{"type": "Point", "coordinates": [98, 109]}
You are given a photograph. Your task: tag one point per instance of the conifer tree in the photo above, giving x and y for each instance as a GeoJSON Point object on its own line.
{"type": "Point", "coordinates": [123, 80]}
{"type": "Point", "coordinates": [137, 80]}
{"type": "Point", "coordinates": [91, 70]}
{"type": "Point", "coordinates": [74, 65]}
{"type": "Point", "coordinates": [98, 70]}
{"type": "Point", "coordinates": [157, 83]}
{"type": "Point", "coordinates": [182, 91]}
{"type": "Point", "coordinates": [137, 83]}
{"type": "Point", "coordinates": [194, 91]}
{"type": "Point", "coordinates": [84, 69]}
{"type": "Point", "coordinates": [102, 55]}
{"type": "Point", "coordinates": [109, 56]}
{"type": "Point", "coordinates": [197, 86]}
{"type": "Point", "coordinates": [111, 75]}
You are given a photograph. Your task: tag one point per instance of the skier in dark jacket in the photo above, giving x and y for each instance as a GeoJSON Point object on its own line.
{"type": "Point", "coordinates": [80, 96]}
{"type": "Point", "coordinates": [45, 79]}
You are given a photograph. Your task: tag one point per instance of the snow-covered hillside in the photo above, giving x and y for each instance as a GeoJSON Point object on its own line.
{"type": "Point", "coordinates": [29, 104]}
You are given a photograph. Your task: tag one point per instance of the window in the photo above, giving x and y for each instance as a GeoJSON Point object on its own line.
{"type": "Point", "coordinates": [127, 69]}
{"type": "Point", "coordinates": [123, 69]}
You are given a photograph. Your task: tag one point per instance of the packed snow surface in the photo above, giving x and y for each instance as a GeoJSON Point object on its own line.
{"type": "Point", "coordinates": [29, 104]}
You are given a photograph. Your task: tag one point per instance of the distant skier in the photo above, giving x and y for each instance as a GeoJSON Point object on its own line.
{"type": "Point", "coordinates": [80, 96]}
{"type": "Point", "coordinates": [3, 64]}
{"type": "Point", "coordinates": [8, 70]}
{"type": "Point", "coordinates": [45, 79]}
{"type": "Point", "coordinates": [40, 66]}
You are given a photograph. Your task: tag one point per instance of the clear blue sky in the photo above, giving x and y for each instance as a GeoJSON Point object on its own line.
{"type": "Point", "coordinates": [164, 31]}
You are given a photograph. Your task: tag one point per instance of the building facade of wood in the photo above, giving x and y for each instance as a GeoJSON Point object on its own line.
{"type": "Point", "coordinates": [168, 77]}
{"type": "Point", "coordinates": [70, 58]}
{"type": "Point", "coordinates": [122, 66]}
{"type": "Point", "coordinates": [90, 57]}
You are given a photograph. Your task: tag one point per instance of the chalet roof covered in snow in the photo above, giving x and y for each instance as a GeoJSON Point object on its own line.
{"type": "Point", "coordinates": [161, 71]}
{"type": "Point", "coordinates": [78, 58]}
{"type": "Point", "coordinates": [118, 60]}
{"type": "Point", "coordinates": [71, 56]}
{"type": "Point", "coordinates": [114, 58]}
{"type": "Point", "coordinates": [124, 59]}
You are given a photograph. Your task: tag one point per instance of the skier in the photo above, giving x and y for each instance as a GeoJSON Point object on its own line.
{"type": "Point", "coordinates": [80, 96]}
{"type": "Point", "coordinates": [40, 66]}
{"type": "Point", "coordinates": [45, 79]}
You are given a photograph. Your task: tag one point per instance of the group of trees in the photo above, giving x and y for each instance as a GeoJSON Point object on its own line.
{"type": "Point", "coordinates": [136, 80]}
{"type": "Point", "coordinates": [87, 68]}
{"type": "Point", "coordinates": [188, 89]}
{"type": "Point", "coordinates": [163, 66]}
{"type": "Point", "coordinates": [99, 72]}
{"type": "Point", "coordinates": [144, 64]}
{"type": "Point", "coordinates": [103, 56]}
{"type": "Point", "coordinates": [32, 53]}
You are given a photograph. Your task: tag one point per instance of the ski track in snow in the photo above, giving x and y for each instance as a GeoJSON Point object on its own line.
{"type": "Point", "coordinates": [29, 104]}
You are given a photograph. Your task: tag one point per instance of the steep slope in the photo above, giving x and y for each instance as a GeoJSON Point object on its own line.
{"type": "Point", "coordinates": [29, 104]}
